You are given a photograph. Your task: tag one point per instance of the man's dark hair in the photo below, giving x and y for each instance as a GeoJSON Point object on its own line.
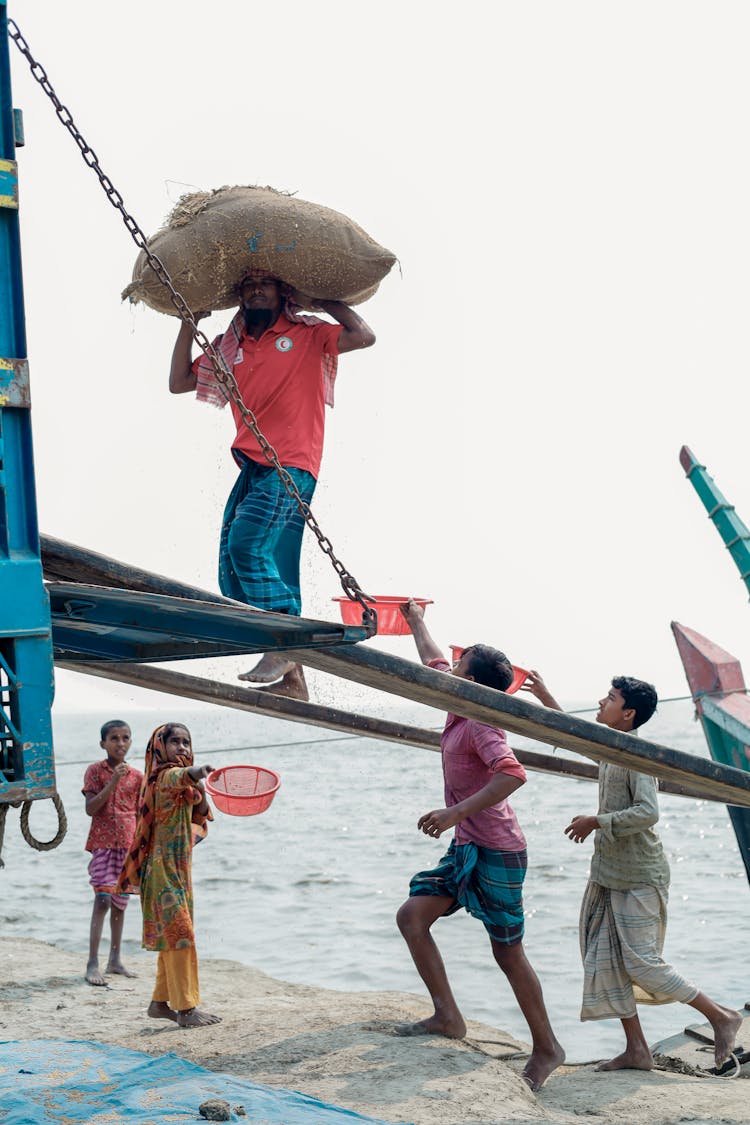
{"type": "Point", "coordinates": [107, 727]}
{"type": "Point", "coordinates": [639, 696]}
{"type": "Point", "coordinates": [489, 666]}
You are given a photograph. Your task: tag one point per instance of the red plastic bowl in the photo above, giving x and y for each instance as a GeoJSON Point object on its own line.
{"type": "Point", "coordinates": [519, 674]}
{"type": "Point", "coordinates": [242, 790]}
{"type": "Point", "coordinates": [391, 621]}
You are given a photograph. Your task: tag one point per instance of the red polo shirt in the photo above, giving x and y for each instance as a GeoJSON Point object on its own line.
{"type": "Point", "coordinates": [281, 381]}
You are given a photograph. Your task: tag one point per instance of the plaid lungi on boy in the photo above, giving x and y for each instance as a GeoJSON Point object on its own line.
{"type": "Point", "coordinates": [622, 937]}
{"type": "Point", "coordinates": [261, 539]}
{"type": "Point", "coordinates": [487, 883]}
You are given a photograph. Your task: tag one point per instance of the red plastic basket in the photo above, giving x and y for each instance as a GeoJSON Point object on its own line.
{"type": "Point", "coordinates": [391, 621]}
{"type": "Point", "coordinates": [242, 790]}
{"type": "Point", "coordinates": [519, 674]}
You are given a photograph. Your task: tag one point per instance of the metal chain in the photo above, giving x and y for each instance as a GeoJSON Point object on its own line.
{"type": "Point", "coordinates": [224, 376]}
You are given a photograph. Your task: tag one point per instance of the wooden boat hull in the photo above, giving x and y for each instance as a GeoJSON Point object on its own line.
{"type": "Point", "coordinates": [722, 704]}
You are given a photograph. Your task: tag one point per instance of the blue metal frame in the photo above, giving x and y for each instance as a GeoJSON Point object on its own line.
{"type": "Point", "coordinates": [26, 661]}
{"type": "Point", "coordinates": [93, 623]}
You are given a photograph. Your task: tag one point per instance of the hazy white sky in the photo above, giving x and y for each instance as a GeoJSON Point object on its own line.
{"type": "Point", "coordinates": [566, 187]}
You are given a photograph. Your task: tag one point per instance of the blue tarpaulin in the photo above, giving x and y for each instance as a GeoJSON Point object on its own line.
{"type": "Point", "coordinates": [54, 1081]}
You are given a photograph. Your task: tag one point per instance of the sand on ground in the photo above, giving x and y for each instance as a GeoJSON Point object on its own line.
{"type": "Point", "coordinates": [339, 1047]}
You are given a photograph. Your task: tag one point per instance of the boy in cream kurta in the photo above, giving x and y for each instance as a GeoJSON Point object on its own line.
{"type": "Point", "coordinates": [624, 910]}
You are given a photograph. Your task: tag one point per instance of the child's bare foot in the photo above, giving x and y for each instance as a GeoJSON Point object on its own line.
{"type": "Point", "coordinates": [270, 667]}
{"type": "Point", "coordinates": [630, 1059]}
{"type": "Point", "coordinates": [725, 1034]}
{"type": "Point", "coordinates": [117, 968]}
{"type": "Point", "coordinates": [196, 1017]}
{"type": "Point", "coordinates": [94, 974]}
{"type": "Point", "coordinates": [292, 684]}
{"type": "Point", "coordinates": [453, 1028]}
{"type": "Point", "coordinates": [540, 1066]}
{"type": "Point", "coordinates": [158, 1010]}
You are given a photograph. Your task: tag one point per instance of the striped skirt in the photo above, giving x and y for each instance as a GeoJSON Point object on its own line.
{"type": "Point", "coordinates": [104, 871]}
{"type": "Point", "coordinates": [622, 937]}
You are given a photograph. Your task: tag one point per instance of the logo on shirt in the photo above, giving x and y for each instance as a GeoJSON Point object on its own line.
{"type": "Point", "coordinates": [284, 344]}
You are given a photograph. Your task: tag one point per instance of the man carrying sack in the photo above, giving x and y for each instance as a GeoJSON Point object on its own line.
{"type": "Point", "coordinates": [285, 367]}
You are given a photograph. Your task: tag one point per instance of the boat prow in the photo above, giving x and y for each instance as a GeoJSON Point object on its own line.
{"type": "Point", "coordinates": [722, 704]}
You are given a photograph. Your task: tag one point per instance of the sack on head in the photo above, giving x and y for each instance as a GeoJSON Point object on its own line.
{"type": "Point", "coordinates": [212, 239]}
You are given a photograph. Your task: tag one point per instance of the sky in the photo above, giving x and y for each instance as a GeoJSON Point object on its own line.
{"type": "Point", "coordinates": [566, 189]}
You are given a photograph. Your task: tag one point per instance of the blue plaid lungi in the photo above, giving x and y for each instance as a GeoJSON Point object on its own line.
{"type": "Point", "coordinates": [488, 884]}
{"type": "Point", "coordinates": [261, 538]}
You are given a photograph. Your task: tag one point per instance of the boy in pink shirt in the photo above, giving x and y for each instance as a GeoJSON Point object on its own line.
{"type": "Point", "coordinates": [484, 867]}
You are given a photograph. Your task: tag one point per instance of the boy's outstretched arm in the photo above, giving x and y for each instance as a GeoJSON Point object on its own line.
{"type": "Point", "coordinates": [426, 647]}
{"type": "Point", "coordinates": [536, 685]}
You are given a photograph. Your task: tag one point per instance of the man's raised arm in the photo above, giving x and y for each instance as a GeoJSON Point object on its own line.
{"type": "Point", "coordinates": [356, 334]}
{"type": "Point", "coordinates": [181, 378]}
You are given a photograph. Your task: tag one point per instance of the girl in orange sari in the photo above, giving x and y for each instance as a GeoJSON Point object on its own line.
{"type": "Point", "coordinates": [173, 812]}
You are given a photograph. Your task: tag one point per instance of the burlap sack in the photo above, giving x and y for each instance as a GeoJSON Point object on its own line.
{"type": "Point", "coordinates": [213, 238]}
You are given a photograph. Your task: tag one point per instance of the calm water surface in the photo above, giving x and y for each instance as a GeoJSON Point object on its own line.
{"type": "Point", "coordinates": [308, 891]}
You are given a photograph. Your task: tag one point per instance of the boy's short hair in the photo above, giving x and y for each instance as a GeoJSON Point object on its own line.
{"type": "Point", "coordinates": [489, 667]}
{"type": "Point", "coordinates": [107, 727]}
{"type": "Point", "coordinates": [639, 696]}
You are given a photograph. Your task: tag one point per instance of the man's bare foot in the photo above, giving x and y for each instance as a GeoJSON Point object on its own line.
{"type": "Point", "coordinates": [269, 668]}
{"type": "Point", "coordinates": [159, 1010]}
{"type": "Point", "coordinates": [725, 1034]}
{"type": "Point", "coordinates": [630, 1059]}
{"type": "Point", "coordinates": [196, 1017]}
{"type": "Point", "coordinates": [94, 974]}
{"type": "Point", "coordinates": [451, 1028]}
{"type": "Point", "coordinates": [293, 685]}
{"type": "Point", "coordinates": [540, 1066]}
{"type": "Point", "coordinates": [117, 968]}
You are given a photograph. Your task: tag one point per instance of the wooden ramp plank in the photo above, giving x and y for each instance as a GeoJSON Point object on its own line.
{"type": "Point", "coordinates": [424, 685]}
{"type": "Point", "coordinates": [331, 718]}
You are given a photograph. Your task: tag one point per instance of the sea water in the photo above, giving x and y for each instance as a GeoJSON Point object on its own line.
{"type": "Point", "coordinates": [308, 891]}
